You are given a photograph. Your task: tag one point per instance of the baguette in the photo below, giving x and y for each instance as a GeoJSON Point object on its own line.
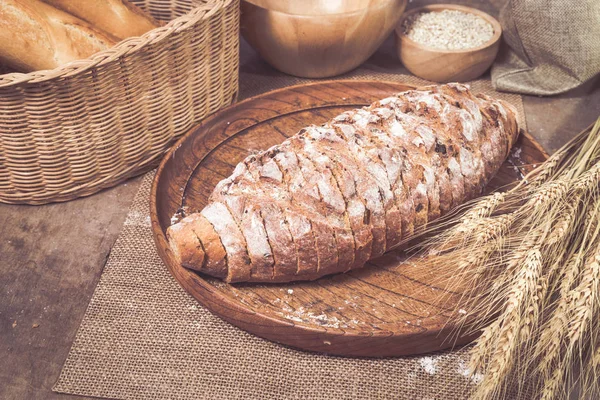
{"type": "Point", "coordinates": [36, 36]}
{"type": "Point", "coordinates": [333, 196]}
{"type": "Point", "coordinates": [117, 17]}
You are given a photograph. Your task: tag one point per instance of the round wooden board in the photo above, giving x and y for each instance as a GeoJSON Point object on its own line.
{"type": "Point", "coordinates": [389, 308]}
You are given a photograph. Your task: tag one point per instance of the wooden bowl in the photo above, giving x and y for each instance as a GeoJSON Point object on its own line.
{"type": "Point", "coordinates": [447, 65]}
{"type": "Point", "coordinates": [318, 38]}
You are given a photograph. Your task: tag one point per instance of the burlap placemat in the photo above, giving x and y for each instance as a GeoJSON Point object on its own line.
{"type": "Point", "coordinates": [144, 337]}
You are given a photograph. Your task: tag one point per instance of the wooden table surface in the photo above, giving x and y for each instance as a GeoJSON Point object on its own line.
{"type": "Point", "coordinates": [51, 257]}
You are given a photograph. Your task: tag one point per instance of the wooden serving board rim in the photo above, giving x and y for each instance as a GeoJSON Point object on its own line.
{"type": "Point", "coordinates": [212, 298]}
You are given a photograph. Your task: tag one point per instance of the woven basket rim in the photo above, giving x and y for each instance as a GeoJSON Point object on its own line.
{"type": "Point", "coordinates": [123, 48]}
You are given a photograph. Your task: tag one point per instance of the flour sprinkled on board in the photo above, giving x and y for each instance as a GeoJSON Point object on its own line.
{"type": "Point", "coordinates": [517, 153]}
{"type": "Point", "coordinates": [179, 215]}
{"type": "Point", "coordinates": [300, 314]}
{"type": "Point", "coordinates": [323, 319]}
{"type": "Point", "coordinates": [516, 161]}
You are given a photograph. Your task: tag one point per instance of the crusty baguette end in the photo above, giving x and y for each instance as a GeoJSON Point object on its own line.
{"type": "Point", "coordinates": [120, 18]}
{"type": "Point", "coordinates": [186, 247]}
{"type": "Point", "coordinates": [36, 36]}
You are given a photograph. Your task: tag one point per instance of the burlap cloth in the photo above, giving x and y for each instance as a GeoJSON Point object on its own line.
{"type": "Point", "coordinates": [144, 337]}
{"type": "Point", "coordinates": [550, 46]}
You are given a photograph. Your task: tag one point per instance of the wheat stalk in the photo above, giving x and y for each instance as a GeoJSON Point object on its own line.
{"type": "Point", "coordinates": [548, 169]}
{"type": "Point", "coordinates": [549, 345]}
{"type": "Point", "coordinates": [562, 226]}
{"type": "Point", "coordinates": [547, 194]}
{"type": "Point", "coordinates": [589, 180]}
{"type": "Point", "coordinates": [552, 385]}
{"type": "Point", "coordinates": [506, 333]}
{"type": "Point", "coordinates": [583, 302]}
{"type": "Point", "coordinates": [483, 344]}
{"type": "Point", "coordinates": [531, 256]}
{"type": "Point", "coordinates": [484, 207]}
{"type": "Point", "coordinates": [592, 378]}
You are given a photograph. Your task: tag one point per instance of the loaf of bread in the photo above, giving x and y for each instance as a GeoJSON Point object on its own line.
{"type": "Point", "coordinates": [117, 17]}
{"type": "Point", "coordinates": [36, 36]}
{"type": "Point", "coordinates": [334, 196]}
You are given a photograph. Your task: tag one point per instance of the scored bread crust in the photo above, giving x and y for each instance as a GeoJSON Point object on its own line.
{"type": "Point", "coordinates": [332, 197]}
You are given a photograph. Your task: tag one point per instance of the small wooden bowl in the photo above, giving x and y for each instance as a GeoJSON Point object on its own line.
{"type": "Point", "coordinates": [447, 65]}
{"type": "Point", "coordinates": [318, 38]}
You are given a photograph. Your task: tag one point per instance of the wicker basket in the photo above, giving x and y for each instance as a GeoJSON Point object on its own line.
{"type": "Point", "coordinates": [88, 125]}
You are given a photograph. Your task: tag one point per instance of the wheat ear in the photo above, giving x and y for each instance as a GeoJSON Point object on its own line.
{"type": "Point", "coordinates": [552, 336]}
{"type": "Point", "coordinates": [507, 333]}
{"type": "Point", "coordinates": [583, 300]}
